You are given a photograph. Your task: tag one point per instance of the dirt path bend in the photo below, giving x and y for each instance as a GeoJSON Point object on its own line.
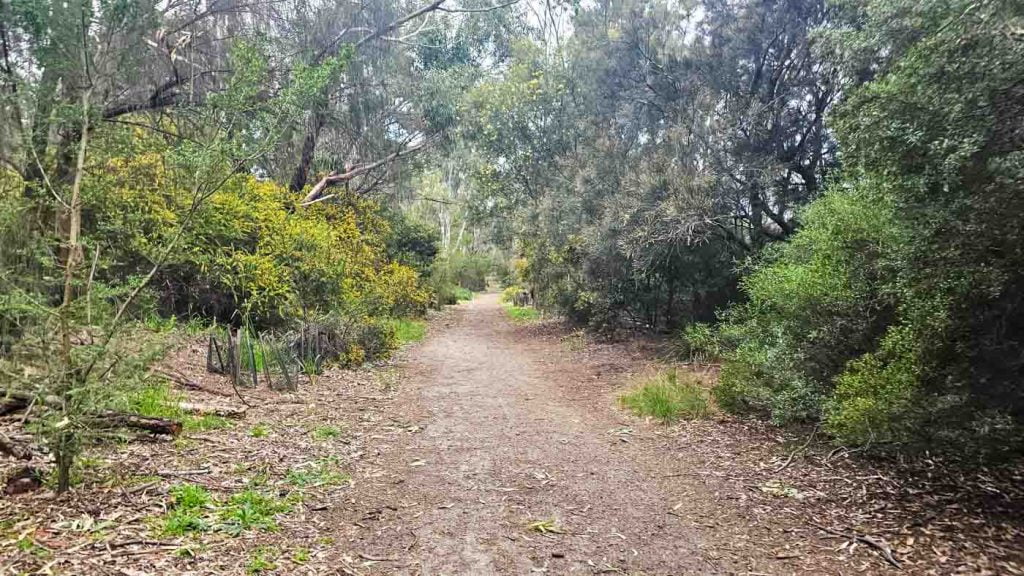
{"type": "Point", "coordinates": [502, 446]}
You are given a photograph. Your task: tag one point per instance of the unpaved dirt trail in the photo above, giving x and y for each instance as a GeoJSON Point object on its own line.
{"type": "Point", "coordinates": [503, 446]}
{"type": "Point", "coordinates": [488, 426]}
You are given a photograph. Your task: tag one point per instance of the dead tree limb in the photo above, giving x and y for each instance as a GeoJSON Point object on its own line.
{"type": "Point", "coordinates": [337, 178]}
{"type": "Point", "coordinates": [107, 419]}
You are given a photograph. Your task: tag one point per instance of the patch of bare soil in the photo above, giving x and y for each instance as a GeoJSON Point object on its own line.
{"type": "Point", "coordinates": [500, 448]}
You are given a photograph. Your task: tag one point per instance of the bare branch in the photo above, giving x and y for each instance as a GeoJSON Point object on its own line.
{"type": "Point", "coordinates": [477, 10]}
{"type": "Point", "coordinates": [336, 178]}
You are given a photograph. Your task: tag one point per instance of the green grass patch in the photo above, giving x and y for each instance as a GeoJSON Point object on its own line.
{"type": "Point", "coordinates": [668, 397]}
{"type": "Point", "coordinates": [193, 509]}
{"type": "Point", "coordinates": [190, 497]}
{"type": "Point", "coordinates": [523, 313]}
{"type": "Point", "coordinates": [260, 430]}
{"type": "Point", "coordinates": [190, 506]}
{"type": "Point", "coordinates": [159, 400]}
{"type": "Point", "coordinates": [408, 330]}
{"type": "Point", "coordinates": [193, 423]}
{"type": "Point", "coordinates": [301, 556]}
{"type": "Point", "coordinates": [251, 510]}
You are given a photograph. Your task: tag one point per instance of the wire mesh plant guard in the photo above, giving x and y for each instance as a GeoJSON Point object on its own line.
{"type": "Point", "coordinates": [249, 357]}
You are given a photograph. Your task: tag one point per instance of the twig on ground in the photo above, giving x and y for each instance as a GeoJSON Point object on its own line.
{"type": "Point", "coordinates": [796, 451]}
{"type": "Point", "coordinates": [877, 543]}
{"type": "Point", "coordinates": [372, 558]}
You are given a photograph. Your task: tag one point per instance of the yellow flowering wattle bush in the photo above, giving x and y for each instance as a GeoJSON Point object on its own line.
{"type": "Point", "coordinates": [248, 251]}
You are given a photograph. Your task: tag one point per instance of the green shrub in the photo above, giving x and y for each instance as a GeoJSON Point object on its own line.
{"type": "Point", "coordinates": [509, 293]}
{"type": "Point", "coordinates": [699, 343]}
{"type": "Point", "coordinates": [345, 339]}
{"type": "Point", "coordinates": [463, 294]}
{"type": "Point", "coordinates": [247, 251]}
{"type": "Point", "coordinates": [455, 277]}
{"type": "Point", "coordinates": [894, 313]}
{"type": "Point", "coordinates": [668, 397]}
{"type": "Point", "coordinates": [813, 304]}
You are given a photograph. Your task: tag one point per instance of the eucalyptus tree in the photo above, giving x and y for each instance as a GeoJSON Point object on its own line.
{"type": "Point", "coordinates": [661, 142]}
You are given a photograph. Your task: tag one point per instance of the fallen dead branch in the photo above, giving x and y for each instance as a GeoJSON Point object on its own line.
{"type": "Point", "coordinates": [14, 449]}
{"type": "Point", "coordinates": [112, 419]}
{"type": "Point", "coordinates": [877, 543]}
{"type": "Point", "coordinates": [107, 419]}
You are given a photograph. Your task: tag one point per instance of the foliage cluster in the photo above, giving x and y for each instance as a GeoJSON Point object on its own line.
{"type": "Point", "coordinates": [894, 314]}
{"type": "Point", "coordinates": [455, 276]}
{"type": "Point", "coordinates": [661, 143]}
{"type": "Point", "coordinates": [248, 252]}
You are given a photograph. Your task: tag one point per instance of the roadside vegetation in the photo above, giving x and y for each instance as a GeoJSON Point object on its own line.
{"type": "Point", "coordinates": [668, 396]}
{"type": "Point", "coordinates": [146, 203]}
{"type": "Point", "coordinates": [817, 195]}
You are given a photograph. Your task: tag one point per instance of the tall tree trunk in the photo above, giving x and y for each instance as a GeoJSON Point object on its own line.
{"type": "Point", "coordinates": [67, 442]}
{"type": "Point", "coordinates": [301, 174]}
{"type": "Point", "coordinates": [40, 137]}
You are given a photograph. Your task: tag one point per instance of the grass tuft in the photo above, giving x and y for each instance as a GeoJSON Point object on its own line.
{"type": "Point", "coordinates": [408, 330]}
{"type": "Point", "coordinates": [322, 472]}
{"type": "Point", "coordinates": [668, 397]}
{"type": "Point", "coordinates": [523, 313]}
{"type": "Point", "coordinates": [251, 510]}
{"type": "Point", "coordinates": [326, 432]}
{"type": "Point", "coordinates": [263, 559]}
{"type": "Point", "coordinates": [193, 509]}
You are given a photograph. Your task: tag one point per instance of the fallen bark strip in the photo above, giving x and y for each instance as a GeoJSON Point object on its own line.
{"type": "Point", "coordinates": [876, 543]}
{"type": "Point", "coordinates": [207, 410]}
